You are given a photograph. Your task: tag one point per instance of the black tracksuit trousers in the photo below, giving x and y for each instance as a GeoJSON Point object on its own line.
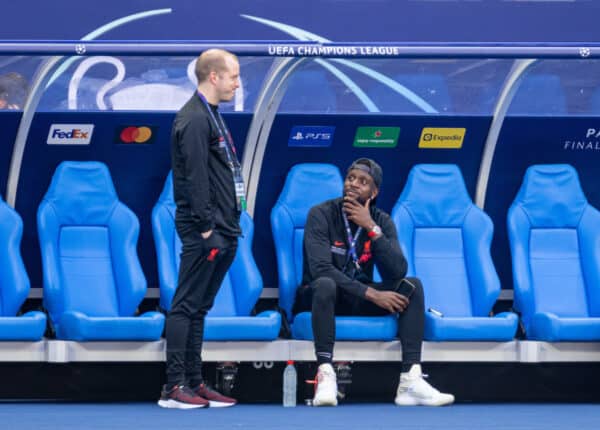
{"type": "Point", "coordinates": [200, 276]}
{"type": "Point", "coordinates": [326, 300]}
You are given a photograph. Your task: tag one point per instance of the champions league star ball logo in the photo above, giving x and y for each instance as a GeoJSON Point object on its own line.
{"type": "Point", "coordinates": [585, 52]}
{"type": "Point", "coordinates": [80, 49]}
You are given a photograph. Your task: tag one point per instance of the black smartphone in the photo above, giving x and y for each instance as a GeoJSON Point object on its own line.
{"type": "Point", "coordinates": [406, 288]}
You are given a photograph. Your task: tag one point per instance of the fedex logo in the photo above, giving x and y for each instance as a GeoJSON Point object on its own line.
{"type": "Point", "coordinates": [70, 134]}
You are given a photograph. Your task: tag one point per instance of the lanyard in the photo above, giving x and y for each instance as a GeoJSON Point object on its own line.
{"type": "Point", "coordinates": [224, 134]}
{"type": "Point", "coordinates": [226, 141]}
{"type": "Point", "coordinates": [351, 240]}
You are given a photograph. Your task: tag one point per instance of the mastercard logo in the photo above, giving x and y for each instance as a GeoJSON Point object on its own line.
{"type": "Point", "coordinates": [133, 134]}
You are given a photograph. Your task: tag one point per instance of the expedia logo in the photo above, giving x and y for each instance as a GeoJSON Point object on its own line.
{"type": "Point", "coordinates": [70, 134]}
{"type": "Point", "coordinates": [442, 138]}
{"type": "Point", "coordinates": [132, 134]}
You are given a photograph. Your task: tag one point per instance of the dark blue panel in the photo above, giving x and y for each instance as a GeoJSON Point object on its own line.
{"type": "Point", "coordinates": [9, 123]}
{"type": "Point", "coordinates": [526, 141]}
{"type": "Point", "coordinates": [138, 171]}
{"type": "Point", "coordinates": [338, 20]}
{"type": "Point", "coordinates": [396, 162]}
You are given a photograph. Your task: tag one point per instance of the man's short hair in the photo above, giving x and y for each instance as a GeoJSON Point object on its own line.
{"type": "Point", "coordinates": [211, 60]}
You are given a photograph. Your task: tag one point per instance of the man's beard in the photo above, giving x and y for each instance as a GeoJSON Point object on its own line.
{"type": "Point", "coordinates": [359, 199]}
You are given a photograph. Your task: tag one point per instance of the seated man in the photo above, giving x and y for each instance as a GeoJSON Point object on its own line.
{"type": "Point", "coordinates": [343, 239]}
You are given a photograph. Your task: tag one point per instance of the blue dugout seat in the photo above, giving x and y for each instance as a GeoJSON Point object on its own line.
{"type": "Point", "coordinates": [554, 235]}
{"type": "Point", "coordinates": [93, 281]}
{"type": "Point", "coordinates": [14, 283]}
{"type": "Point", "coordinates": [230, 317]}
{"type": "Point", "coordinates": [307, 185]}
{"type": "Point", "coordinates": [446, 240]}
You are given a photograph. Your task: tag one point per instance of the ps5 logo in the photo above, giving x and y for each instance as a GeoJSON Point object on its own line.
{"type": "Point", "coordinates": [311, 136]}
{"type": "Point", "coordinates": [314, 136]}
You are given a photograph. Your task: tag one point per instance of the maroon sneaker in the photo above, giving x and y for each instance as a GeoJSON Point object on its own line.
{"type": "Point", "coordinates": [181, 397]}
{"type": "Point", "coordinates": [216, 399]}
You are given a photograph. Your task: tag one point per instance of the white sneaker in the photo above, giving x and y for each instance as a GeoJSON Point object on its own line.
{"type": "Point", "coordinates": [413, 390]}
{"type": "Point", "coordinates": [326, 391]}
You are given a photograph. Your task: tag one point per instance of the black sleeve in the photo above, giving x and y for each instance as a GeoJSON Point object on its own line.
{"type": "Point", "coordinates": [387, 253]}
{"type": "Point", "coordinates": [317, 249]}
{"type": "Point", "coordinates": [194, 143]}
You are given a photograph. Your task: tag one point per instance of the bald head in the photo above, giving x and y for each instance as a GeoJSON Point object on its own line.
{"type": "Point", "coordinates": [213, 60]}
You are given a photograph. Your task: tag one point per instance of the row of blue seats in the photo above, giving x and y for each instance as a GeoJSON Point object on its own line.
{"type": "Point", "coordinates": [93, 282]}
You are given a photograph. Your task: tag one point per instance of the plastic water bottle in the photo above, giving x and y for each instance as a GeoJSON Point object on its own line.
{"type": "Point", "coordinates": [290, 380]}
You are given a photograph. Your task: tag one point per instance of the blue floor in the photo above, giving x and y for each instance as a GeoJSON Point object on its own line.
{"type": "Point", "coordinates": [148, 416]}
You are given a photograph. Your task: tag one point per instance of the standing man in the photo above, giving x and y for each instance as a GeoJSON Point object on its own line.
{"type": "Point", "coordinates": [209, 193]}
{"type": "Point", "coordinates": [343, 239]}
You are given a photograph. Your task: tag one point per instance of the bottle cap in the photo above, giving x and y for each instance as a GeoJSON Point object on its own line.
{"type": "Point", "coordinates": [290, 362]}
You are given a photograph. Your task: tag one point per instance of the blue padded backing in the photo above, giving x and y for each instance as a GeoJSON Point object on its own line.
{"type": "Point", "coordinates": [93, 281]}
{"type": "Point", "coordinates": [298, 240]}
{"type": "Point", "coordinates": [436, 195]}
{"type": "Point", "coordinates": [164, 215]}
{"type": "Point", "coordinates": [229, 318]}
{"type": "Point", "coordinates": [553, 235]}
{"type": "Point", "coordinates": [72, 204]}
{"type": "Point", "coordinates": [551, 196]}
{"type": "Point", "coordinates": [446, 240]}
{"type": "Point", "coordinates": [439, 261]}
{"type": "Point", "coordinates": [85, 262]}
{"type": "Point", "coordinates": [14, 283]}
{"type": "Point", "coordinates": [306, 185]}
{"type": "Point", "coordinates": [555, 269]}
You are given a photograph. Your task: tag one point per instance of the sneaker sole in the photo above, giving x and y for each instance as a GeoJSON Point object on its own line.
{"type": "Point", "coordinates": [421, 402]}
{"type": "Point", "coordinates": [174, 404]}
{"type": "Point", "coordinates": [325, 402]}
{"type": "Point", "coordinates": [215, 404]}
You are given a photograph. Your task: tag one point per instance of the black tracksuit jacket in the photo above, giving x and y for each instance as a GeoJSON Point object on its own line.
{"type": "Point", "coordinates": [326, 247]}
{"type": "Point", "coordinates": [203, 184]}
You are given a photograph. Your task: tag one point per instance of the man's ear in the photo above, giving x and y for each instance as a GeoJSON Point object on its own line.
{"type": "Point", "coordinates": [212, 76]}
{"type": "Point", "coordinates": [374, 193]}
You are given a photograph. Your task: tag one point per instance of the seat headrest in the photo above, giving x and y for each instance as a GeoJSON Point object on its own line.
{"type": "Point", "coordinates": [551, 196]}
{"type": "Point", "coordinates": [309, 184]}
{"type": "Point", "coordinates": [435, 195]}
{"type": "Point", "coordinates": [82, 192]}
